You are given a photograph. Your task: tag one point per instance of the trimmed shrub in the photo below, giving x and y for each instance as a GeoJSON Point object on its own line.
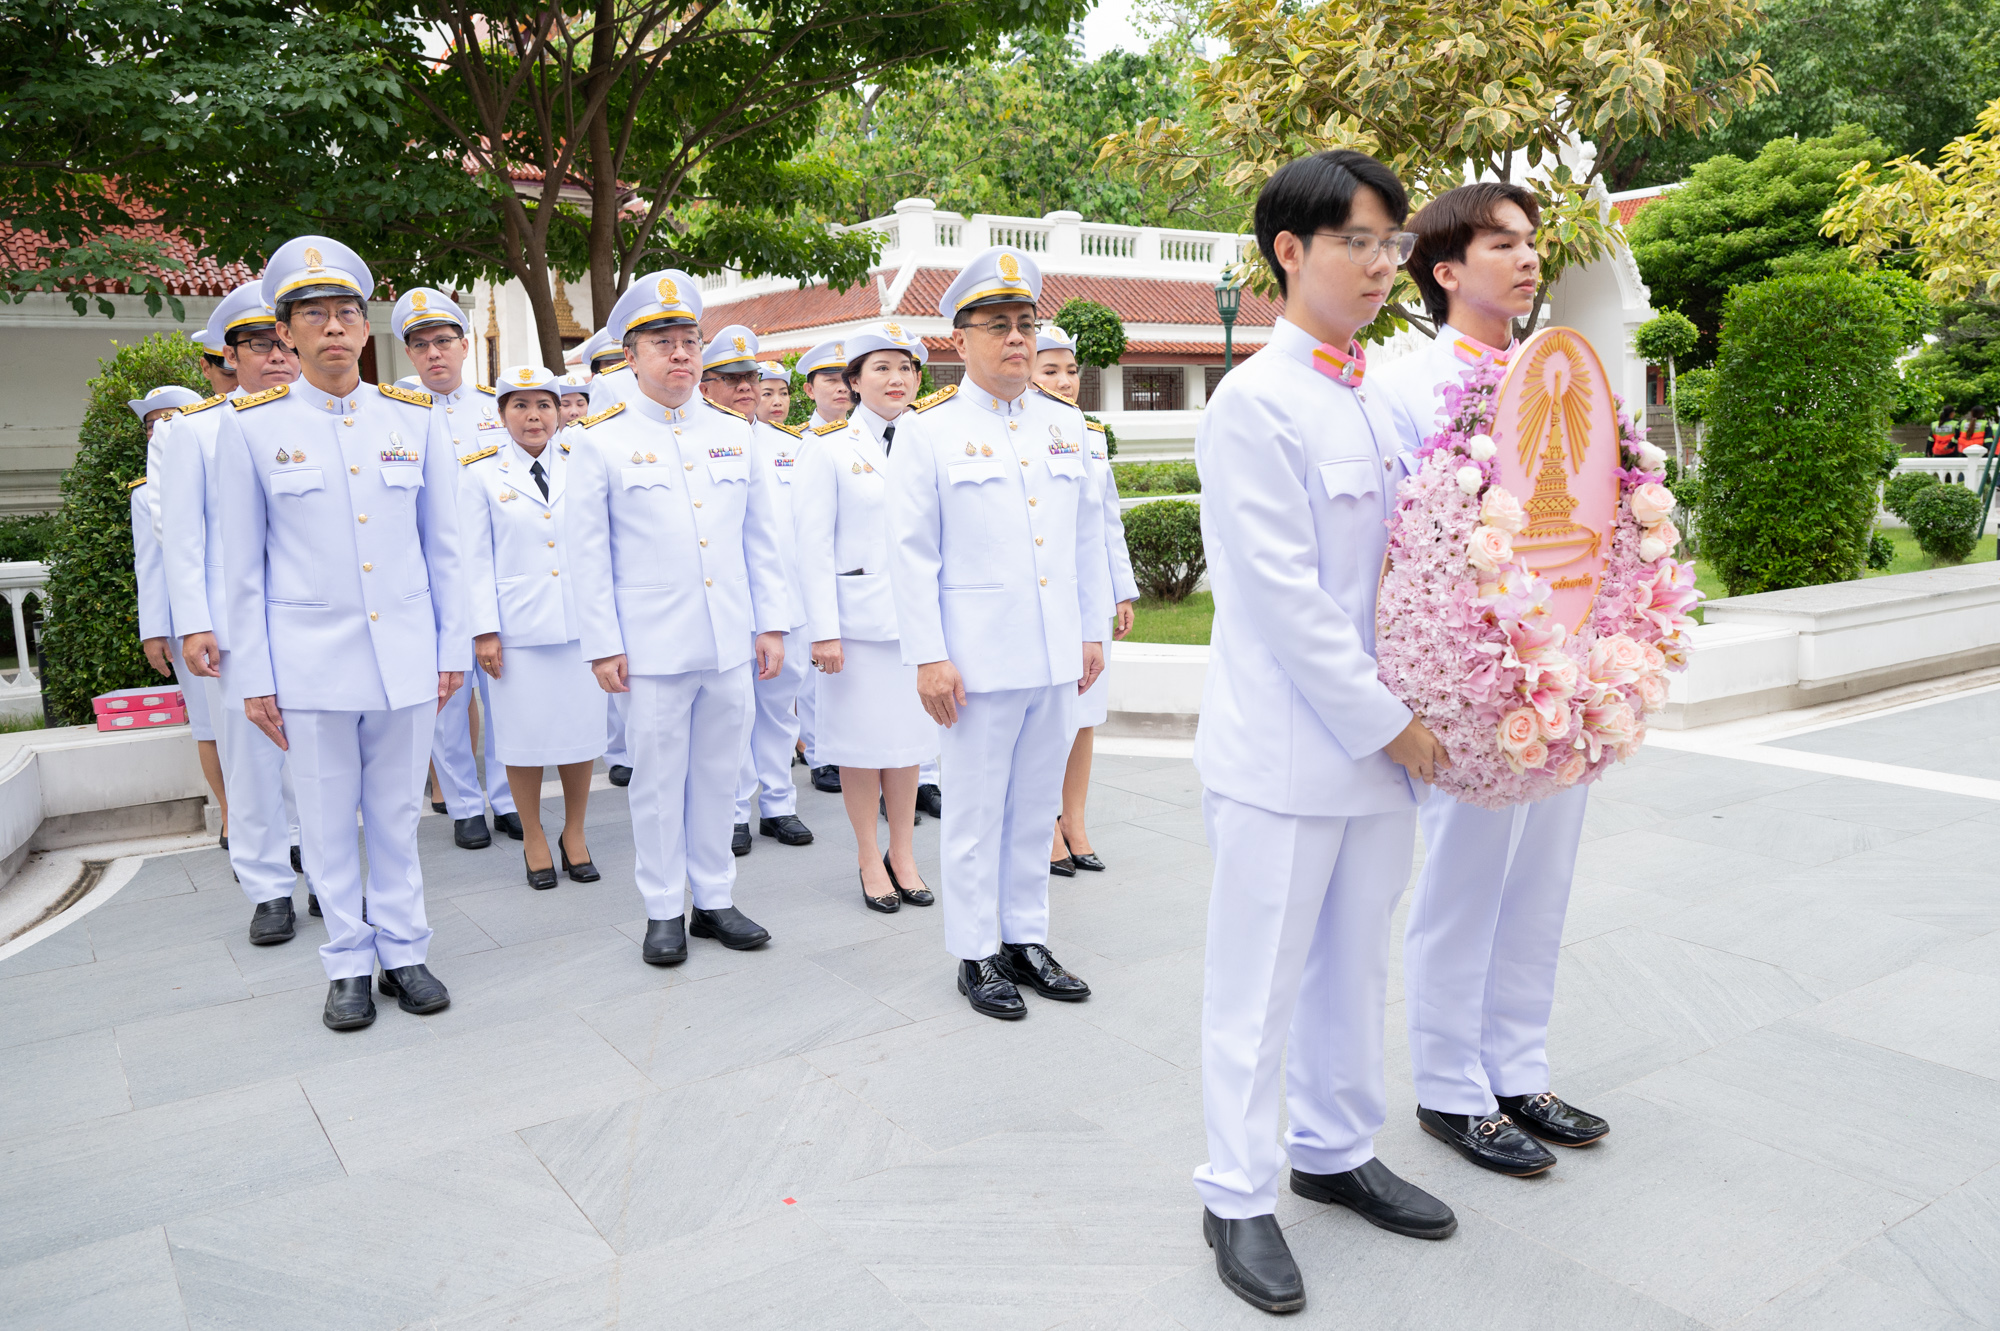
{"type": "Point", "coordinates": [1099, 332]}
{"type": "Point", "coordinates": [1164, 538]}
{"type": "Point", "coordinates": [1798, 416]}
{"type": "Point", "coordinates": [1881, 552]}
{"type": "Point", "coordinates": [91, 644]}
{"type": "Point", "coordinates": [1904, 486]}
{"type": "Point", "coordinates": [1943, 518]}
{"type": "Point", "coordinates": [1157, 478]}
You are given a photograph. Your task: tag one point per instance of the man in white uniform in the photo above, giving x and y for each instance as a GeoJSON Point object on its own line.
{"type": "Point", "coordinates": [730, 377]}
{"type": "Point", "coordinates": [680, 586]}
{"type": "Point", "coordinates": [437, 336]}
{"type": "Point", "coordinates": [346, 614]}
{"type": "Point", "coordinates": [1002, 593]}
{"type": "Point", "coordinates": [610, 380]}
{"type": "Point", "coordinates": [1485, 926]}
{"type": "Point", "coordinates": [1309, 761]}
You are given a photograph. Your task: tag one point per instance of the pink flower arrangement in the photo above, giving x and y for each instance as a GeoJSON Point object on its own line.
{"type": "Point", "coordinates": [1466, 638]}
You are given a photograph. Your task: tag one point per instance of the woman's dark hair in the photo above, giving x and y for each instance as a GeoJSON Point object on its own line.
{"type": "Point", "coordinates": [1318, 191]}
{"type": "Point", "coordinates": [853, 370]}
{"type": "Point", "coordinates": [1452, 221]}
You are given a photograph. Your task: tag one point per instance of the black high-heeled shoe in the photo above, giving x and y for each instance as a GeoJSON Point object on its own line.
{"type": "Point", "coordinates": [1087, 860]}
{"type": "Point", "coordinates": [539, 879]}
{"type": "Point", "coordinates": [1063, 868]}
{"type": "Point", "coordinates": [888, 905]}
{"type": "Point", "coordinates": [581, 872]}
{"type": "Point", "coordinates": [921, 897]}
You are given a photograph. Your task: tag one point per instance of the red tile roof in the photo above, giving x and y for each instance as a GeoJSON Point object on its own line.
{"type": "Point", "coordinates": [202, 276]}
{"type": "Point", "coordinates": [808, 307]}
{"type": "Point", "coordinates": [1627, 209]}
{"type": "Point", "coordinates": [1142, 347]}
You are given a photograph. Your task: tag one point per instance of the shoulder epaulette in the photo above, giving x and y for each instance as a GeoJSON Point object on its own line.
{"type": "Point", "coordinates": [490, 392]}
{"type": "Point", "coordinates": [133, 485]}
{"type": "Point", "coordinates": [1094, 425]}
{"type": "Point", "coordinates": [250, 400]}
{"type": "Point", "coordinates": [602, 416]}
{"type": "Point", "coordinates": [205, 404]}
{"type": "Point", "coordinates": [1045, 391]}
{"type": "Point", "coordinates": [409, 395]}
{"type": "Point", "coordinates": [729, 411]}
{"type": "Point", "coordinates": [926, 403]}
{"type": "Point", "coordinates": [829, 427]}
{"type": "Point", "coordinates": [795, 431]}
{"type": "Point", "coordinates": [486, 452]}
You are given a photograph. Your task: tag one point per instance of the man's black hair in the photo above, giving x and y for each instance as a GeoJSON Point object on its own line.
{"type": "Point", "coordinates": [216, 361]}
{"type": "Point", "coordinates": [1452, 221]}
{"type": "Point", "coordinates": [1318, 191]}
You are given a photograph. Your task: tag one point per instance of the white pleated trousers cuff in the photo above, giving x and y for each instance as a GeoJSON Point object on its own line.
{"type": "Point", "coordinates": [374, 762]}
{"type": "Point", "coordinates": [686, 737]}
{"type": "Point", "coordinates": [451, 755]}
{"type": "Point", "coordinates": [1006, 755]}
{"type": "Point", "coordinates": [1481, 945]}
{"type": "Point", "coordinates": [615, 752]}
{"type": "Point", "coordinates": [1298, 953]}
{"type": "Point", "coordinates": [261, 802]}
{"type": "Point", "coordinates": [774, 728]}
{"type": "Point", "coordinates": [809, 713]}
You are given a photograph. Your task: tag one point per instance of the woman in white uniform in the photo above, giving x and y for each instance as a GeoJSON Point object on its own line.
{"type": "Point", "coordinates": [871, 723]}
{"type": "Point", "coordinates": [575, 390]}
{"type": "Point", "coordinates": [547, 706]}
{"type": "Point", "coordinates": [1056, 370]}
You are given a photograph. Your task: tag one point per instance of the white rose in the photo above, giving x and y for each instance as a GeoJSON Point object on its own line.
{"type": "Point", "coordinates": [1481, 446]}
{"type": "Point", "coordinates": [1653, 548]}
{"type": "Point", "coordinates": [1470, 479]}
{"type": "Point", "coordinates": [1651, 458]}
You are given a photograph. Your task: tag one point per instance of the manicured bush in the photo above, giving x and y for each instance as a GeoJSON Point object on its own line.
{"type": "Point", "coordinates": [91, 644]}
{"type": "Point", "coordinates": [1881, 552]}
{"type": "Point", "coordinates": [1099, 332]}
{"type": "Point", "coordinates": [1902, 488]}
{"type": "Point", "coordinates": [1164, 538]}
{"type": "Point", "coordinates": [1798, 423]}
{"type": "Point", "coordinates": [1157, 478]}
{"type": "Point", "coordinates": [1943, 518]}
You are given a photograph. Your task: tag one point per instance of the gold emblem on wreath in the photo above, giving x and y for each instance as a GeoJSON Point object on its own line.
{"type": "Point", "coordinates": [312, 258]}
{"type": "Point", "coordinates": [669, 293]}
{"type": "Point", "coordinates": [419, 301]}
{"type": "Point", "coordinates": [1010, 268]}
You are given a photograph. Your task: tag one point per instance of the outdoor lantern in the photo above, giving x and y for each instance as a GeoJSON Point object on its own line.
{"type": "Point", "coordinates": [1227, 294]}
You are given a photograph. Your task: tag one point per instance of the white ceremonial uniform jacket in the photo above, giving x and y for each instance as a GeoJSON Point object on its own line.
{"type": "Point", "coordinates": [998, 561]}
{"type": "Point", "coordinates": [1124, 587]}
{"type": "Point", "coordinates": [1409, 389]}
{"type": "Point", "coordinates": [1295, 479]}
{"type": "Point", "coordinates": [469, 416]}
{"type": "Point", "coordinates": [517, 583]}
{"type": "Point", "coordinates": [607, 390]}
{"type": "Point", "coordinates": [340, 548]}
{"type": "Point", "coordinates": [775, 450]}
{"type": "Point", "coordinates": [842, 491]}
{"type": "Point", "coordinates": [191, 517]}
{"type": "Point", "coordinates": [156, 618]}
{"type": "Point", "coordinates": [674, 537]}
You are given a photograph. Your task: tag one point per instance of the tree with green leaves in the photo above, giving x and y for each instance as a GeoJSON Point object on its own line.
{"type": "Point", "coordinates": [1662, 340]}
{"type": "Point", "coordinates": [1099, 332]}
{"type": "Point", "coordinates": [1962, 367]}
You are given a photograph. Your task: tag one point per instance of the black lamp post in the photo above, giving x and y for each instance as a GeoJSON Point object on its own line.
{"type": "Point", "coordinates": [1227, 295]}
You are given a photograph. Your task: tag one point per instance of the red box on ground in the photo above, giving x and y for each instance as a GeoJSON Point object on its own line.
{"type": "Point", "coordinates": [138, 720]}
{"type": "Point", "coordinates": [138, 700]}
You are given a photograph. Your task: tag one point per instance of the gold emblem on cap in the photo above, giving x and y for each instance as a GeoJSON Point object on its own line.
{"type": "Point", "coordinates": [312, 258]}
{"type": "Point", "coordinates": [527, 376]}
{"type": "Point", "coordinates": [418, 300]}
{"type": "Point", "coordinates": [669, 293]}
{"type": "Point", "coordinates": [740, 344]}
{"type": "Point", "coordinates": [894, 330]}
{"type": "Point", "coordinates": [1010, 268]}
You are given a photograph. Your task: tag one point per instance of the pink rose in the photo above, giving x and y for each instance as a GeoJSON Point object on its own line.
{"type": "Point", "coordinates": [1652, 503]}
{"type": "Point", "coordinates": [1659, 541]}
{"type": "Point", "coordinates": [1613, 724]}
{"type": "Point", "coordinates": [1554, 726]}
{"type": "Point", "coordinates": [1518, 730]}
{"type": "Point", "coordinates": [1573, 767]}
{"type": "Point", "coordinates": [1534, 756]}
{"type": "Point", "coordinates": [1652, 691]}
{"type": "Point", "coordinates": [1610, 668]}
{"type": "Point", "coordinates": [1499, 508]}
{"type": "Point", "coordinates": [1489, 549]}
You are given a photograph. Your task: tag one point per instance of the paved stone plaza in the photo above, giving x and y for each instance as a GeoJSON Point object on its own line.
{"type": "Point", "coordinates": [1781, 987]}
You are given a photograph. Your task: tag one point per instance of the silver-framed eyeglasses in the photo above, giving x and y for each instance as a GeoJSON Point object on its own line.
{"type": "Point", "coordinates": [317, 315]}
{"type": "Point", "coordinates": [1362, 249]}
{"type": "Point", "coordinates": [1027, 326]}
{"type": "Point", "coordinates": [671, 342]}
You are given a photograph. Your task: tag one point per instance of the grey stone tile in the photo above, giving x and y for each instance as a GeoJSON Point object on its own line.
{"type": "Point", "coordinates": [785, 1006]}
{"type": "Point", "coordinates": [1120, 1314]}
{"type": "Point", "coordinates": [516, 913]}
{"type": "Point", "coordinates": [1161, 1118]}
{"type": "Point", "coordinates": [1926, 1011]}
{"type": "Point", "coordinates": [1978, 956]}
{"type": "Point", "coordinates": [1878, 804]}
{"type": "Point", "coordinates": [1696, 783]}
{"type": "Point", "coordinates": [1178, 785]}
{"type": "Point", "coordinates": [296, 965]}
{"type": "Point", "coordinates": [1969, 757]}
{"type": "Point", "coordinates": [425, 1240]}
{"type": "Point", "coordinates": [568, 971]}
{"type": "Point", "coordinates": [84, 998]}
{"type": "Point", "coordinates": [1955, 898]}
{"type": "Point", "coordinates": [832, 915]}
{"type": "Point", "coordinates": [162, 876]}
{"type": "Point", "coordinates": [1593, 1050]}
{"type": "Point", "coordinates": [1185, 824]}
{"type": "Point", "coordinates": [1780, 834]}
{"type": "Point", "coordinates": [1774, 1084]}
{"type": "Point", "coordinates": [52, 1084]}
{"type": "Point", "coordinates": [125, 1282]}
{"type": "Point", "coordinates": [386, 1109]}
{"type": "Point", "coordinates": [1598, 908]}
{"type": "Point", "coordinates": [1133, 853]}
{"type": "Point", "coordinates": [1604, 816]}
{"type": "Point", "coordinates": [775, 1131]}
{"type": "Point", "coordinates": [1789, 928]}
{"type": "Point", "coordinates": [1946, 1256]}
{"type": "Point", "coordinates": [68, 946]}
{"type": "Point", "coordinates": [1696, 995]}
{"type": "Point", "coordinates": [1154, 1005]}
{"type": "Point", "coordinates": [123, 929]}
{"type": "Point", "coordinates": [1839, 1299]}
{"type": "Point", "coordinates": [1688, 871]}
{"type": "Point", "coordinates": [131, 1171]}
{"type": "Point", "coordinates": [1131, 921]}
{"type": "Point", "coordinates": [208, 869]}
{"type": "Point", "coordinates": [1955, 845]}
{"type": "Point", "coordinates": [910, 972]}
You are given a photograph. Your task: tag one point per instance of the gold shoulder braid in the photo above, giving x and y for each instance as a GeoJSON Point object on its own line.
{"type": "Point", "coordinates": [259, 399]}
{"type": "Point", "coordinates": [1046, 391]}
{"type": "Point", "coordinates": [602, 416]}
{"type": "Point", "coordinates": [486, 452]}
{"type": "Point", "coordinates": [409, 395]}
{"type": "Point", "coordinates": [205, 404]}
{"type": "Point", "coordinates": [829, 427]}
{"type": "Point", "coordinates": [795, 431]}
{"type": "Point", "coordinates": [133, 485]}
{"type": "Point", "coordinates": [926, 403]}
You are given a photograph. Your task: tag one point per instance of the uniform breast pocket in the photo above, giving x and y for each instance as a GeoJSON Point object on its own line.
{"type": "Point", "coordinates": [640, 478]}
{"type": "Point", "coordinates": [1350, 478]}
{"type": "Point", "coordinates": [784, 475]}
{"type": "Point", "coordinates": [972, 473]}
{"type": "Point", "coordinates": [403, 475]}
{"type": "Point", "coordinates": [1067, 464]}
{"type": "Point", "coordinates": [297, 481]}
{"type": "Point", "coordinates": [721, 470]}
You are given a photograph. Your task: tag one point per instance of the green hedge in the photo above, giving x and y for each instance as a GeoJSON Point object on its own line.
{"type": "Point", "coordinates": [1799, 424]}
{"type": "Point", "coordinates": [1903, 487]}
{"type": "Point", "coordinates": [1944, 519]}
{"type": "Point", "coordinates": [91, 644]}
{"type": "Point", "coordinates": [1164, 539]}
{"type": "Point", "coordinates": [1156, 478]}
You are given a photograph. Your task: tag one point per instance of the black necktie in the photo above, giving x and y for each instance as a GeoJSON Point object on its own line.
{"type": "Point", "coordinates": [888, 438]}
{"type": "Point", "coordinates": [541, 478]}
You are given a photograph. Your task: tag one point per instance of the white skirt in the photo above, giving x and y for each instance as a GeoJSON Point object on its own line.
{"type": "Point", "coordinates": [547, 707]}
{"type": "Point", "coordinates": [1094, 705]}
{"type": "Point", "coordinates": [869, 714]}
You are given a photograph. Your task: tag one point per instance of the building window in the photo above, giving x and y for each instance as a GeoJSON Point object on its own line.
{"type": "Point", "coordinates": [946, 374]}
{"type": "Point", "coordinates": [1211, 376]}
{"type": "Point", "coordinates": [1156, 388]}
{"type": "Point", "coordinates": [1090, 389]}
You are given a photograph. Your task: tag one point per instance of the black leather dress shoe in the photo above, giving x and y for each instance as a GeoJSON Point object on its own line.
{"type": "Point", "coordinates": [272, 922]}
{"type": "Point", "coordinates": [1063, 868]}
{"type": "Point", "coordinates": [620, 775]}
{"type": "Point", "coordinates": [1383, 1200]}
{"type": "Point", "coordinates": [739, 840]}
{"type": "Point", "coordinates": [1492, 1142]}
{"type": "Point", "coordinates": [298, 866]}
{"type": "Point", "coordinates": [1547, 1117]}
{"type": "Point", "coordinates": [930, 800]}
{"type": "Point", "coordinates": [729, 927]}
{"type": "Point", "coordinates": [666, 942]}
{"type": "Point", "coordinates": [787, 828]}
{"type": "Point", "coordinates": [989, 991]}
{"type": "Point", "coordinates": [1031, 964]}
{"type": "Point", "coordinates": [1087, 860]}
{"type": "Point", "coordinates": [1255, 1262]}
{"type": "Point", "coordinates": [437, 806]}
{"type": "Point", "coordinates": [510, 823]}
{"type": "Point", "coordinates": [539, 879]}
{"type": "Point", "coordinates": [583, 871]}
{"type": "Point", "coordinates": [312, 905]}
{"type": "Point", "coordinates": [827, 778]}
{"type": "Point", "coordinates": [349, 1006]}
{"type": "Point", "coordinates": [921, 896]}
{"type": "Point", "coordinates": [415, 989]}
{"type": "Point", "coordinates": [471, 834]}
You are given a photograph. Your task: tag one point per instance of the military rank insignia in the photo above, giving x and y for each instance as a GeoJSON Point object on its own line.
{"type": "Point", "coordinates": [1063, 448]}
{"type": "Point", "coordinates": [398, 451]}
{"type": "Point", "coordinates": [782, 460]}
{"type": "Point", "coordinates": [730, 452]}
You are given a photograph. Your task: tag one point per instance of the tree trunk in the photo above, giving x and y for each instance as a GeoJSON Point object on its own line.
{"type": "Point", "coordinates": [604, 283]}
{"type": "Point", "coordinates": [1674, 408]}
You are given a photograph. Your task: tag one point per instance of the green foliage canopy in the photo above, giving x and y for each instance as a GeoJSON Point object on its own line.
{"type": "Point", "coordinates": [1962, 367]}
{"type": "Point", "coordinates": [1903, 487]}
{"type": "Point", "coordinates": [1099, 332]}
{"type": "Point", "coordinates": [1945, 521]}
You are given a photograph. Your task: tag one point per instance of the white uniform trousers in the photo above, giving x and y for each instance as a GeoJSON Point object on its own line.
{"type": "Point", "coordinates": [201, 709]}
{"type": "Point", "coordinates": [809, 711]}
{"type": "Point", "coordinates": [615, 752]}
{"type": "Point", "coordinates": [686, 738]}
{"type": "Point", "coordinates": [774, 728]}
{"type": "Point", "coordinates": [263, 809]}
{"type": "Point", "coordinates": [927, 775]}
{"type": "Point", "coordinates": [1480, 948]}
{"type": "Point", "coordinates": [1298, 949]}
{"type": "Point", "coordinates": [451, 754]}
{"type": "Point", "coordinates": [374, 762]}
{"type": "Point", "coordinates": [1006, 754]}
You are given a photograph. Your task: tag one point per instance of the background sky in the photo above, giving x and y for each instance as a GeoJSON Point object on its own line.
{"type": "Point", "coordinates": [1109, 27]}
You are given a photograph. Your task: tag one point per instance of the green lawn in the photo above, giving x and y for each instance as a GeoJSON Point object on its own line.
{"type": "Point", "coordinates": [1186, 623]}
{"type": "Point", "coordinates": [1909, 559]}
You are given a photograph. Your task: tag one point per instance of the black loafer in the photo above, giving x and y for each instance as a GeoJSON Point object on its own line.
{"type": "Point", "coordinates": [510, 823]}
{"type": "Point", "coordinates": [739, 840]}
{"type": "Point", "coordinates": [437, 806]}
{"type": "Point", "coordinates": [666, 942]}
{"type": "Point", "coordinates": [471, 834]}
{"type": "Point", "coordinates": [1254, 1261]}
{"type": "Point", "coordinates": [539, 879]}
{"type": "Point", "coordinates": [620, 775]}
{"type": "Point", "coordinates": [349, 1006]}
{"type": "Point", "coordinates": [298, 866]}
{"type": "Point", "coordinates": [826, 778]}
{"type": "Point", "coordinates": [729, 927]}
{"type": "Point", "coordinates": [415, 989]}
{"type": "Point", "coordinates": [272, 922]}
{"type": "Point", "coordinates": [1547, 1117]}
{"type": "Point", "coordinates": [312, 905]}
{"type": "Point", "coordinates": [1491, 1142]}
{"type": "Point", "coordinates": [583, 871]}
{"type": "Point", "coordinates": [1031, 964]}
{"type": "Point", "coordinates": [920, 897]}
{"type": "Point", "coordinates": [930, 801]}
{"type": "Point", "coordinates": [1087, 860]}
{"type": "Point", "coordinates": [1063, 868]}
{"type": "Point", "coordinates": [889, 903]}
{"type": "Point", "coordinates": [787, 828]}
{"type": "Point", "coordinates": [989, 991]}
{"type": "Point", "coordinates": [1383, 1200]}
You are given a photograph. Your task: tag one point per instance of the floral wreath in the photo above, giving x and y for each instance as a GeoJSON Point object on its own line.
{"type": "Point", "coordinates": [1466, 637]}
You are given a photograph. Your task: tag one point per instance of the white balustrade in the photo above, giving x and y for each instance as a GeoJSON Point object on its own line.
{"type": "Point", "coordinates": [1187, 249]}
{"type": "Point", "coordinates": [949, 233]}
{"type": "Point", "coordinates": [1034, 239]}
{"type": "Point", "coordinates": [18, 582]}
{"type": "Point", "coordinates": [1105, 244]}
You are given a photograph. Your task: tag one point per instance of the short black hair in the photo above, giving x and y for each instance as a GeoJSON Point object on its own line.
{"type": "Point", "coordinates": [216, 361]}
{"type": "Point", "coordinates": [1452, 221]}
{"type": "Point", "coordinates": [235, 335]}
{"type": "Point", "coordinates": [1308, 193]}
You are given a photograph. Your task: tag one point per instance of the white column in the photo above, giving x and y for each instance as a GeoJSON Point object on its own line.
{"type": "Point", "coordinates": [1111, 381]}
{"type": "Point", "coordinates": [1065, 234]}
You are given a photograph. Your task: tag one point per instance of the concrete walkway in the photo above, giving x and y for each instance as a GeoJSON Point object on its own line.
{"type": "Point", "coordinates": [1783, 989]}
